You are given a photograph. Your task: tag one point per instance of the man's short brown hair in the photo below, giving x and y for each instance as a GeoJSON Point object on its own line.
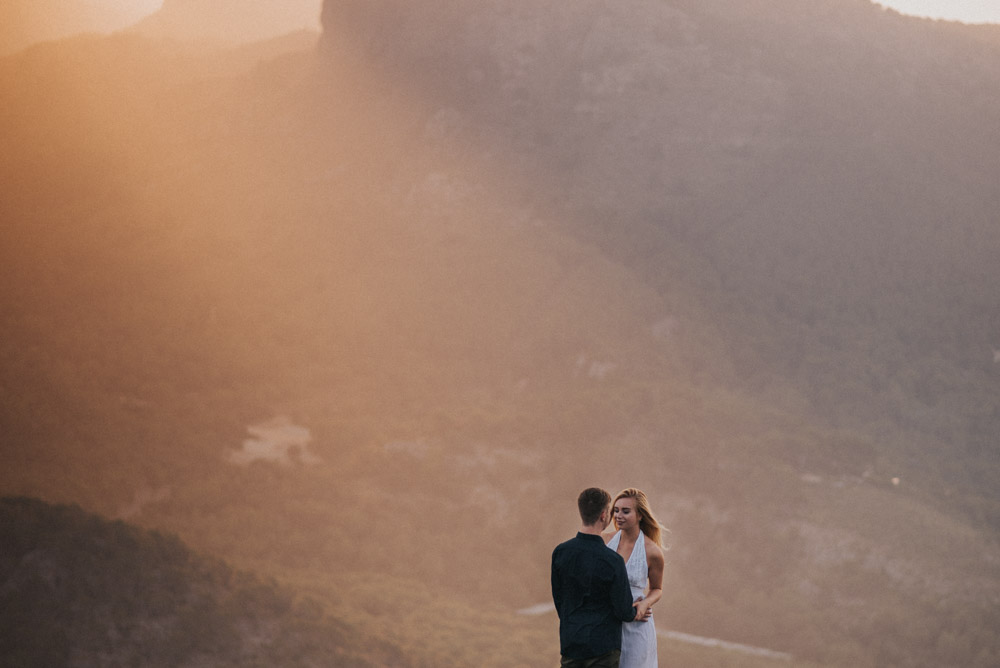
{"type": "Point", "coordinates": [592, 502]}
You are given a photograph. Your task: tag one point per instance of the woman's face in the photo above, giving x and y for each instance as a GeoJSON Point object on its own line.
{"type": "Point", "coordinates": [624, 514]}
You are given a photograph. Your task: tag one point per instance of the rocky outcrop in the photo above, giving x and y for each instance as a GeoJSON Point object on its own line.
{"type": "Point", "coordinates": [231, 21]}
{"type": "Point", "coordinates": [26, 22]}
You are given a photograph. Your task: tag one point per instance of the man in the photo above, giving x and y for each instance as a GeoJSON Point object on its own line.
{"type": "Point", "coordinates": [590, 589]}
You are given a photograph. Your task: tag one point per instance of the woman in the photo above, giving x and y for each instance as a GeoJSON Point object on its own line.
{"type": "Point", "coordinates": [639, 542]}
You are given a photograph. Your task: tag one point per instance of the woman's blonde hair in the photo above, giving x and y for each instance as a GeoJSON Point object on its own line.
{"type": "Point", "coordinates": [648, 523]}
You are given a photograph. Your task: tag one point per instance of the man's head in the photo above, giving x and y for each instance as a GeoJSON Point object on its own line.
{"type": "Point", "coordinates": [593, 504]}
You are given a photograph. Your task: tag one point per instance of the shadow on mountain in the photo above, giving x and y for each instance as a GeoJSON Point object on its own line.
{"type": "Point", "coordinates": [77, 590]}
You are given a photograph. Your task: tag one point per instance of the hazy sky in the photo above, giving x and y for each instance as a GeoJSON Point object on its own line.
{"type": "Point", "coordinates": [133, 10]}
{"type": "Point", "coordinates": [969, 11]}
{"type": "Point", "coordinates": [141, 6]}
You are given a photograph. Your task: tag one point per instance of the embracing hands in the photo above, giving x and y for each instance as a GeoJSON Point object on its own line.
{"type": "Point", "coordinates": [643, 610]}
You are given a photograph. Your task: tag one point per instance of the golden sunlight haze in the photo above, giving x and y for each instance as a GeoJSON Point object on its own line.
{"type": "Point", "coordinates": [24, 23]}
{"type": "Point", "coordinates": [322, 333]}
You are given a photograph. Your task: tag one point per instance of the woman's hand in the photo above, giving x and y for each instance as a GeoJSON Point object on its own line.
{"type": "Point", "coordinates": [643, 610]}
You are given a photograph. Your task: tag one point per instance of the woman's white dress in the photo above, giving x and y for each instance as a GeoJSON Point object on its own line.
{"type": "Point", "coordinates": [638, 638]}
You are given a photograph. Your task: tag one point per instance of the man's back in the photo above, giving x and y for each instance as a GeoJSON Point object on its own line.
{"type": "Point", "coordinates": [592, 596]}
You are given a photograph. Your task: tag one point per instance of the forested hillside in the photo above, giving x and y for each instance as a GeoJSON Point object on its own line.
{"type": "Point", "coordinates": [365, 318]}
{"type": "Point", "coordinates": [824, 176]}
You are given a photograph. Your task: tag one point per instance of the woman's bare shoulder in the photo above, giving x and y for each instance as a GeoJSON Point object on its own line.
{"type": "Point", "coordinates": [653, 551]}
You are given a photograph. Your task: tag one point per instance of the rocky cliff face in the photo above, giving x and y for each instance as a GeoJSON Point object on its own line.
{"type": "Point", "coordinates": [666, 100]}
{"type": "Point", "coordinates": [609, 95]}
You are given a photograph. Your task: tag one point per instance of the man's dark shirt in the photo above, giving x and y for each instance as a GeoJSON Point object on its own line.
{"type": "Point", "coordinates": [592, 596]}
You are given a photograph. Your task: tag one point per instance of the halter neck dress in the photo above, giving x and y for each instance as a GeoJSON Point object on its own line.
{"type": "Point", "coordinates": [638, 638]}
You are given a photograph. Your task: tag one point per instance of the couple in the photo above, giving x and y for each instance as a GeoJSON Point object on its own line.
{"type": "Point", "coordinates": [600, 593]}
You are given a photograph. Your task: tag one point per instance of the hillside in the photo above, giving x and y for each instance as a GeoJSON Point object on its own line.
{"type": "Point", "coordinates": [364, 317]}
{"type": "Point", "coordinates": [77, 590]}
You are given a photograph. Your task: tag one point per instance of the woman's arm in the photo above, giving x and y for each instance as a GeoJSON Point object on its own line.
{"type": "Point", "coordinates": [654, 562]}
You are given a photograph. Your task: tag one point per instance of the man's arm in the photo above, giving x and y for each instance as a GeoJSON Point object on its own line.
{"type": "Point", "coordinates": [556, 581]}
{"type": "Point", "coordinates": [621, 594]}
